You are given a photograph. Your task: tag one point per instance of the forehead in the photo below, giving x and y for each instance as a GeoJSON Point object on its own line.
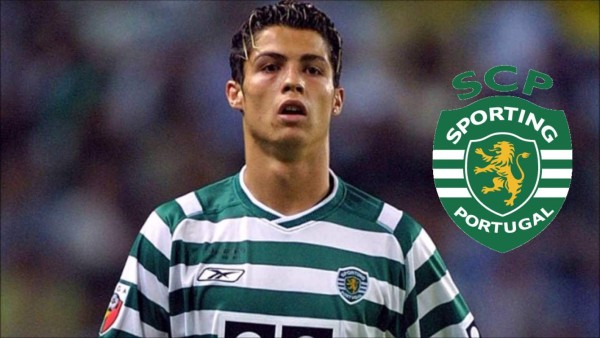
{"type": "Point", "coordinates": [290, 42]}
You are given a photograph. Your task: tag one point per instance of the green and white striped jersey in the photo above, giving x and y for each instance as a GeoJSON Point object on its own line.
{"type": "Point", "coordinates": [218, 263]}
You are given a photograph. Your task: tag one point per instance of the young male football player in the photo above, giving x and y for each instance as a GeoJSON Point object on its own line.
{"type": "Point", "coordinates": [285, 248]}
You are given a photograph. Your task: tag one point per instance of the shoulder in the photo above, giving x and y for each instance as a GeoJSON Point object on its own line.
{"type": "Point", "coordinates": [377, 215]}
{"type": "Point", "coordinates": [204, 202]}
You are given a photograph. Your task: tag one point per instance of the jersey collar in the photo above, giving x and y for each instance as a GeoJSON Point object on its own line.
{"type": "Point", "coordinates": [316, 212]}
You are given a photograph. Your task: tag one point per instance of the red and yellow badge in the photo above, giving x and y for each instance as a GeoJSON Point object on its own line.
{"type": "Point", "coordinates": [114, 307]}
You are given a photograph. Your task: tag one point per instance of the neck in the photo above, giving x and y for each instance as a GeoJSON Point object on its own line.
{"type": "Point", "coordinates": [288, 186]}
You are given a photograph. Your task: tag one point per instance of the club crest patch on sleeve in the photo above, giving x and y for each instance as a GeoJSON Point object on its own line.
{"type": "Point", "coordinates": [352, 284]}
{"type": "Point", "coordinates": [115, 307]}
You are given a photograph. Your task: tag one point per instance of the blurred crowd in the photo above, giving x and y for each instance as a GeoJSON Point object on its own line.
{"type": "Point", "coordinates": [110, 108]}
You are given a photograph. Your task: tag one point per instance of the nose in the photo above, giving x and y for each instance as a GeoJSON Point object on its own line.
{"type": "Point", "coordinates": [293, 82]}
{"type": "Point", "coordinates": [294, 87]}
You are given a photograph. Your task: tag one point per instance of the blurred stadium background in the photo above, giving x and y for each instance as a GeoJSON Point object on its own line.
{"type": "Point", "coordinates": [110, 108]}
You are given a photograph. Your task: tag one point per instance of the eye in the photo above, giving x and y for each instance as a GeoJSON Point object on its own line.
{"type": "Point", "coordinates": [270, 68]}
{"type": "Point", "coordinates": [312, 70]}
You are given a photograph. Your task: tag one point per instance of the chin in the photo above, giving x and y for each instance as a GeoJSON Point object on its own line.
{"type": "Point", "coordinates": [292, 141]}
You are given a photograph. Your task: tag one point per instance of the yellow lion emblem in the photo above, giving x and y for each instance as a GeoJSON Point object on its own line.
{"type": "Point", "coordinates": [501, 164]}
{"type": "Point", "coordinates": [352, 284]}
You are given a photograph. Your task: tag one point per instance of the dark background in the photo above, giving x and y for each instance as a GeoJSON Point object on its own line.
{"type": "Point", "coordinates": [111, 108]}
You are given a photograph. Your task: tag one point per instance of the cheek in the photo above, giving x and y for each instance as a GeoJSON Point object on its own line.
{"type": "Point", "coordinates": [265, 81]}
{"type": "Point", "coordinates": [254, 98]}
{"type": "Point", "coordinates": [259, 87]}
{"type": "Point", "coordinates": [325, 101]}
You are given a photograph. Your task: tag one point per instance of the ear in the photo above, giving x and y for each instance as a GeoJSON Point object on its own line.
{"type": "Point", "coordinates": [338, 101]}
{"type": "Point", "coordinates": [235, 95]}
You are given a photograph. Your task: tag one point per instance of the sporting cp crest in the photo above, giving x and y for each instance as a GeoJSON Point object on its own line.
{"type": "Point", "coordinates": [352, 284]}
{"type": "Point", "coordinates": [502, 168]}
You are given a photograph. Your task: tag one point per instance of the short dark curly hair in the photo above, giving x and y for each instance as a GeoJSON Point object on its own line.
{"type": "Point", "coordinates": [286, 13]}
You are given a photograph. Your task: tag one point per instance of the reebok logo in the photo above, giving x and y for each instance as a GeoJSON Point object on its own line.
{"type": "Point", "coordinates": [220, 275]}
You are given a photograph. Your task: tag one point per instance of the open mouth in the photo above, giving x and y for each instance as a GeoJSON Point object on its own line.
{"type": "Point", "coordinates": [292, 108]}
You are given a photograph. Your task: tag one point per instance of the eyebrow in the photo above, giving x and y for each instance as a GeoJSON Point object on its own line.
{"type": "Point", "coordinates": [281, 57]}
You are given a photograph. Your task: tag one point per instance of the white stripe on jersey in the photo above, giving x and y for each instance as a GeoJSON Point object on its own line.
{"type": "Point", "coordinates": [190, 204]}
{"type": "Point", "coordinates": [207, 322]}
{"type": "Point", "coordinates": [158, 233]}
{"type": "Point", "coordinates": [456, 330]}
{"type": "Point", "coordinates": [413, 257]}
{"type": "Point", "coordinates": [294, 279]}
{"type": "Point", "coordinates": [130, 322]}
{"type": "Point", "coordinates": [378, 244]}
{"type": "Point", "coordinates": [146, 282]}
{"type": "Point", "coordinates": [422, 249]}
{"type": "Point", "coordinates": [414, 330]}
{"type": "Point", "coordinates": [437, 293]}
{"type": "Point", "coordinates": [389, 217]}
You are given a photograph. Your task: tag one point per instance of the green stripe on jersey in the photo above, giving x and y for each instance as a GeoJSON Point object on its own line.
{"type": "Point", "coordinates": [150, 258]}
{"type": "Point", "coordinates": [171, 213]}
{"type": "Point", "coordinates": [359, 210]}
{"type": "Point", "coordinates": [406, 232]}
{"type": "Point", "coordinates": [224, 199]}
{"type": "Point", "coordinates": [441, 316]}
{"type": "Point", "coordinates": [150, 312]}
{"type": "Point", "coordinates": [444, 315]}
{"type": "Point", "coordinates": [410, 311]}
{"type": "Point", "coordinates": [233, 211]}
{"type": "Point", "coordinates": [348, 216]}
{"type": "Point", "coordinates": [430, 272]}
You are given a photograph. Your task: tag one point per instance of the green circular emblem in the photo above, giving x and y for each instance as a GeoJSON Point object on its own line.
{"type": "Point", "coordinates": [502, 168]}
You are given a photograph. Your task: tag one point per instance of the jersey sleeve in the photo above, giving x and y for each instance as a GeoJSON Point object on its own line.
{"type": "Point", "coordinates": [139, 307]}
{"type": "Point", "coordinates": [433, 305]}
